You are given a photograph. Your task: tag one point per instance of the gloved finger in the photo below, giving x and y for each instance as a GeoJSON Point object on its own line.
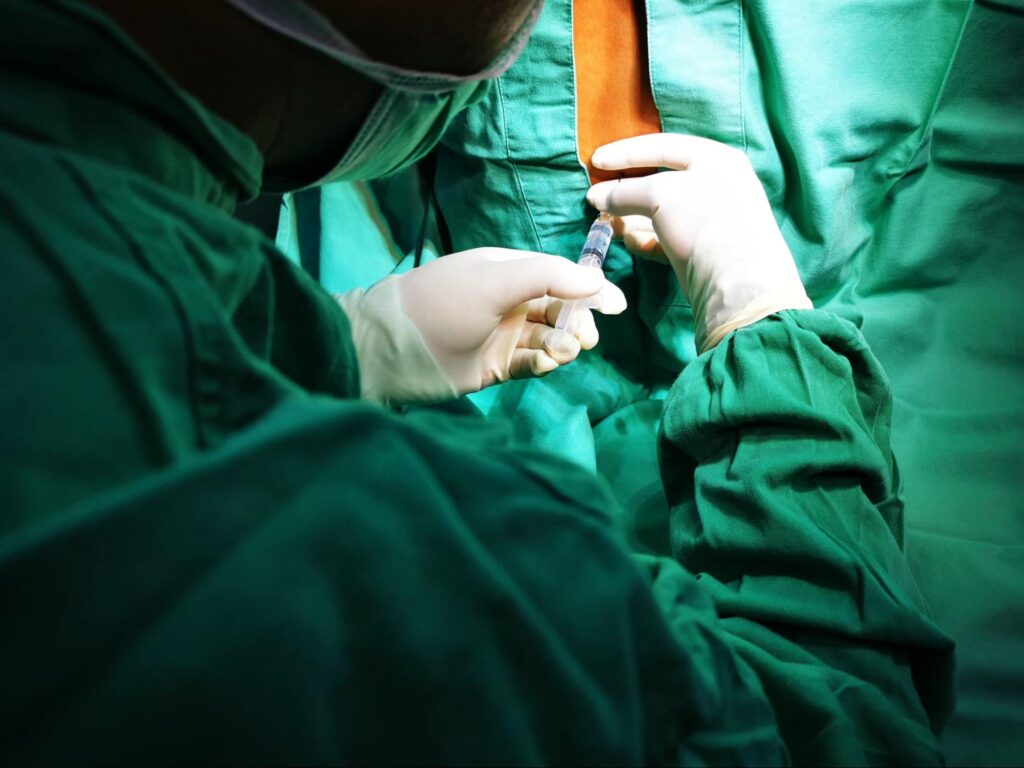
{"type": "Point", "coordinates": [518, 281]}
{"type": "Point", "coordinates": [625, 197]}
{"type": "Point", "coordinates": [639, 237]}
{"type": "Point", "coordinates": [500, 254]}
{"type": "Point", "coordinates": [561, 346]}
{"type": "Point", "coordinates": [657, 150]}
{"type": "Point", "coordinates": [543, 310]}
{"type": "Point", "coordinates": [610, 300]}
{"type": "Point", "coordinates": [581, 325]}
{"type": "Point", "coordinates": [625, 225]}
{"type": "Point", "coordinates": [530, 363]}
{"type": "Point", "coordinates": [645, 245]}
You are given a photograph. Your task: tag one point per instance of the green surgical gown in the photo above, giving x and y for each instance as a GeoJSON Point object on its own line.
{"type": "Point", "coordinates": [211, 552]}
{"type": "Point", "coordinates": [889, 139]}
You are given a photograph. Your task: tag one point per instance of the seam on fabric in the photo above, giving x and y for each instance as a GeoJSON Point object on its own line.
{"type": "Point", "coordinates": [576, 95]}
{"type": "Point", "coordinates": [155, 426]}
{"type": "Point", "coordinates": [379, 114]}
{"type": "Point", "coordinates": [267, 271]}
{"type": "Point", "coordinates": [309, 229]}
{"type": "Point", "coordinates": [512, 165]}
{"type": "Point", "coordinates": [187, 277]}
{"type": "Point", "coordinates": [650, 63]}
{"type": "Point", "coordinates": [575, 88]}
{"type": "Point", "coordinates": [376, 215]}
{"type": "Point", "coordinates": [742, 61]}
{"type": "Point", "coordinates": [645, 332]}
{"type": "Point", "coordinates": [929, 123]}
{"type": "Point", "coordinates": [306, 24]}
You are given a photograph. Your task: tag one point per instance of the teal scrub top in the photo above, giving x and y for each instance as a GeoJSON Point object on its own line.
{"type": "Point", "coordinates": [888, 137]}
{"type": "Point", "coordinates": [211, 552]}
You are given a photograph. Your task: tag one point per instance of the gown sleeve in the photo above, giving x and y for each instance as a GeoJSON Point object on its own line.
{"type": "Point", "coordinates": [310, 339]}
{"type": "Point", "coordinates": [784, 494]}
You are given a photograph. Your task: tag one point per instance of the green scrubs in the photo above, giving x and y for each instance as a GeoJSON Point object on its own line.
{"type": "Point", "coordinates": [210, 552]}
{"type": "Point", "coordinates": [826, 136]}
{"type": "Point", "coordinates": [386, 221]}
{"type": "Point", "coordinates": [888, 136]}
{"type": "Point", "coordinates": [942, 308]}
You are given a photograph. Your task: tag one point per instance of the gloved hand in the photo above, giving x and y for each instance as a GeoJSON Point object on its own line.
{"type": "Point", "coordinates": [710, 218]}
{"type": "Point", "coordinates": [472, 319]}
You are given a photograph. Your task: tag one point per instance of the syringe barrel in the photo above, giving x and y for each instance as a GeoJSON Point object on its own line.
{"type": "Point", "coordinates": [593, 254]}
{"type": "Point", "coordinates": [595, 249]}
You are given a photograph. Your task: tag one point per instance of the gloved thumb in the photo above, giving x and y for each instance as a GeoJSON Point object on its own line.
{"type": "Point", "coordinates": [523, 280]}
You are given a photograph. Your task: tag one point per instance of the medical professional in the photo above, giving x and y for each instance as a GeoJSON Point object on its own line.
{"type": "Point", "coordinates": [214, 548]}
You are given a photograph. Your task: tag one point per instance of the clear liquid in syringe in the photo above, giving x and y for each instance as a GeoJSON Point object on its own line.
{"type": "Point", "coordinates": [595, 249]}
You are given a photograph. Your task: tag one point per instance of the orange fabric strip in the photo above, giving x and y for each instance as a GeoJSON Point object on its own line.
{"type": "Point", "coordinates": [613, 87]}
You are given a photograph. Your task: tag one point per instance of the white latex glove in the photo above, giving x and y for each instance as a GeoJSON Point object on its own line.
{"type": "Point", "coordinates": [472, 319]}
{"type": "Point", "coordinates": [710, 218]}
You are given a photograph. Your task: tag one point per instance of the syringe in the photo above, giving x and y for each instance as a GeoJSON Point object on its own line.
{"type": "Point", "coordinates": [593, 254]}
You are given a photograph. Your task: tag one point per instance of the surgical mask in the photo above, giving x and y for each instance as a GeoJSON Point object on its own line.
{"type": "Point", "coordinates": [414, 109]}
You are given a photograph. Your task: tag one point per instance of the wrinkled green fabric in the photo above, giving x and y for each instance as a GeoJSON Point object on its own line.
{"type": "Point", "coordinates": [795, 534]}
{"type": "Point", "coordinates": [826, 139]}
{"type": "Point", "coordinates": [210, 553]}
{"type": "Point", "coordinates": [783, 616]}
{"type": "Point", "coordinates": [888, 138]}
{"type": "Point", "coordinates": [385, 221]}
{"type": "Point", "coordinates": [940, 291]}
